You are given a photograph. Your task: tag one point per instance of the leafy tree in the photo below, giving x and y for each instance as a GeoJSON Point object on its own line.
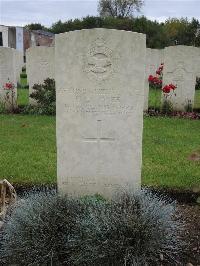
{"type": "Point", "coordinates": [119, 8]}
{"type": "Point", "coordinates": [159, 35]}
{"type": "Point", "coordinates": [35, 26]}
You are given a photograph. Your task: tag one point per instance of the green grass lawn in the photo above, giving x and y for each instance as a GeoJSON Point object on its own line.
{"type": "Point", "coordinates": [22, 93]}
{"type": "Point", "coordinates": [155, 98]}
{"type": "Point", "coordinates": [23, 81]}
{"type": "Point", "coordinates": [22, 97]}
{"type": "Point", "coordinates": [28, 151]}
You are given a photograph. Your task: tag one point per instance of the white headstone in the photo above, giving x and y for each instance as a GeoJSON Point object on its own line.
{"type": "Point", "coordinates": [180, 70]}
{"type": "Point", "coordinates": [100, 96]}
{"type": "Point", "coordinates": [20, 39]}
{"type": "Point", "coordinates": [39, 65]}
{"type": "Point", "coordinates": [7, 73]}
{"type": "Point", "coordinates": [154, 58]}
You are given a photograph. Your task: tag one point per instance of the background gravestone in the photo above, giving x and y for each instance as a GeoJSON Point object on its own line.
{"type": "Point", "coordinates": [180, 70]}
{"type": "Point", "coordinates": [100, 96]}
{"type": "Point", "coordinates": [154, 58]}
{"type": "Point", "coordinates": [39, 66]}
{"type": "Point", "coordinates": [7, 71]}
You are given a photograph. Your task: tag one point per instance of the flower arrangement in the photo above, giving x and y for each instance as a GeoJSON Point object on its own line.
{"type": "Point", "coordinates": [156, 82]}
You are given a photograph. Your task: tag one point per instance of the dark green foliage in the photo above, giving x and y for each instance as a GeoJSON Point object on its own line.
{"type": "Point", "coordinates": [48, 229]}
{"type": "Point", "coordinates": [39, 110]}
{"type": "Point", "coordinates": [45, 96]}
{"type": "Point", "coordinates": [197, 87]}
{"type": "Point", "coordinates": [23, 75]}
{"type": "Point", "coordinates": [25, 87]}
{"type": "Point", "coordinates": [159, 35]}
{"type": "Point", "coordinates": [35, 26]}
{"type": "Point", "coordinates": [167, 107]}
{"type": "Point", "coordinates": [23, 69]}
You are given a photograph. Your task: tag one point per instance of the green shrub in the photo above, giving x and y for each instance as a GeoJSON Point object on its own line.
{"type": "Point", "coordinates": [197, 87]}
{"type": "Point", "coordinates": [23, 69]}
{"type": "Point", "coordinates": [25, 87]}
{"type": "Point", "coordinates": [48, 229]}
{"type": "Point", "coordinates": [40, 110]}
{"type": "Point", "coordinates": [45, 96]}
{"type": "Point", "coordinates": [23, 75]}
{"type": "Point", "coordinates": [167, 107]}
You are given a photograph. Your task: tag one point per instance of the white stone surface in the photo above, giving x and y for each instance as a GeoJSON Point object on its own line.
{"type": "Point", "coordinates": [7, 71]}
{"type": "Point", "coordinates": [180, 69]}
{"type": "Point", "coordinates": [39, 65]}
{"type": "Point", "coordinates": [100, 97]}
{"type": "Point", "coordinates": [20, 39]}
{"type": "Point", "coordinates": [154, 58]}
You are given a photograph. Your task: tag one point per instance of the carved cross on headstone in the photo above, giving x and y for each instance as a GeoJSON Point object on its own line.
{"type": "Point", "coordinates": [100, 138]}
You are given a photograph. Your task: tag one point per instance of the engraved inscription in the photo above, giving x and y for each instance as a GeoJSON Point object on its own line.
{"type": "Point", "coordinates": [96, 101]}
{"type": "Point", "coordinates": [83, 181]}
{"type": "Point", "coordinates": [42, 63]}
{"type": "Point", "coordinates": [98, 63]}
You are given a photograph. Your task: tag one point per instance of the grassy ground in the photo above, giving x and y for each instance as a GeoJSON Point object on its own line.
{"type": "Point", "coordinates": [28, 151]}
{"type": "Point", "coordinates": [22, 93]}
{"type": "Point", "coordinates": [22, 96]}
{"type": "Point", "coordinates": [167, 144]}
{"type": "Point", "coordinates": [155, 98]}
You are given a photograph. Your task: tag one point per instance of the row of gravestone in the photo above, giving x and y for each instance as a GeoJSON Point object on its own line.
{"type": "Point", "coordinates": [181, 67]}
{"type": "Point", "coordinates": [11, 63]}
{"type": "Point", "coordinates": [100, 76]}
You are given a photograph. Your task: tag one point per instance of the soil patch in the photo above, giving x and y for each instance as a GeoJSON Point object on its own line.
{"type": "Point", "coordinates": [191, 215]}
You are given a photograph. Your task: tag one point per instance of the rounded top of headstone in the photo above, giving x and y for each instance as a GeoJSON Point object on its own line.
{"type": "Point", "coordinates": [101, 30]}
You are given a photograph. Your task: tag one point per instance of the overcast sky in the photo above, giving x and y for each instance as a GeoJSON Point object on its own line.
{"type": "Point", "coordinates": [46, 12]}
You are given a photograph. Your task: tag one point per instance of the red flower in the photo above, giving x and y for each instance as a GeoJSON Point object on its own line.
{"type": "Point", "coordinates": [166, 89]}
{"type": "Point", "coordinates": [8, 85]}
{"type": "Point", "coordinates": [172, 86]}
{"type": "Point", "coordinates": [158, 72]}
{"type": "Point", "coordinates": [150, 78]}
{"type": "Point", "coordinates": [155, 80]}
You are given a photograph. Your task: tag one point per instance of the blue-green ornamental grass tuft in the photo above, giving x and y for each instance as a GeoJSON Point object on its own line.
{"type": "Point", "coordinates": [132, 229]}
{"type": "Point", "coordinates": [41, 230]}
